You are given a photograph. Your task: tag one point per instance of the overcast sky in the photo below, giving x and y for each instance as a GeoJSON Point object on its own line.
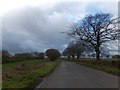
{"type": "Point", "coordinates": [36, 26]}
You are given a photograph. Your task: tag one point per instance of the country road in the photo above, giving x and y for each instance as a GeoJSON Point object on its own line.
{"type": "Point", "coordinates": [72, 75]}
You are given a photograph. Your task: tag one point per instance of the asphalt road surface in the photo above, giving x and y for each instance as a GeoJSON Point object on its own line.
{"type": "Point", "coordinates": [72, 75]}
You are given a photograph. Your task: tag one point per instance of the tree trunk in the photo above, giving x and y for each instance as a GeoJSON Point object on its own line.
{"type": "Point", "coordinates": [98, 47]}
{"type": "Point", "coordinates": [78, 57]}
{"type": "Point", "coordinates": [68, 57]}
{"type": "Point", "coordinates": [97, 53]}
{"type": "Point", "coordinates": [73, 56]}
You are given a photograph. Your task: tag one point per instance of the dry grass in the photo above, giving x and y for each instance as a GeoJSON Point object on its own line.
{"type": "Point", "coordinates": [22, 69]}
{"type": "Point", "coordinates": [23, 75]}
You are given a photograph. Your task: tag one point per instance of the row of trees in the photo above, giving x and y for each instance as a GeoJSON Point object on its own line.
{"type": "Point", "coordinates": [76, 49]}
{"type": "Point", "coordinates": [52, 54]}
{"type": "Point", "coordinates": [95, 30]}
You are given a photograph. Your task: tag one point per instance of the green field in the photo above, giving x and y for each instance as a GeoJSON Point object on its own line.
{"type": "Point", "coordinates": [106, 68]}
{"type": "Point", "coordinates": [103, 65]}
{"type": "Point", "coordinates": [23, 74]}
{"type": "Point", "coordinates": [89, 59]}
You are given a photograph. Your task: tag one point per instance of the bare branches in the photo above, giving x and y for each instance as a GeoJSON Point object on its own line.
{"type": "Point", "coordinates": [97, 29]}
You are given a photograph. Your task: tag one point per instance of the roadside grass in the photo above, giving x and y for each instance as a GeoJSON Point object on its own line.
{"type": "Point", "coordinates": [93, 59]}
{"type": "Point", "coordinates": [24, 74]}
{"type": "Point", "coordinates": [106, 68]}
{"type": "Point", "coordinates": [105, 64]}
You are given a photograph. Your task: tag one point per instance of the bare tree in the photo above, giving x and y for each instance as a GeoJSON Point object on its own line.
{"type": "Point", "coordinates": [66, 53]}
{"type": "Point", "coordinates": [70, 50]}
{"type": "Point", "coordinates": [80, 47]}
{"type": "Point", "coordinates": [96, 30]}
{"type": "Point", "coordinates": [74, 48]}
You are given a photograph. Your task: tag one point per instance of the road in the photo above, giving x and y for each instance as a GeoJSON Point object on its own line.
{"type": "Point", "coordinates": [72, 75]}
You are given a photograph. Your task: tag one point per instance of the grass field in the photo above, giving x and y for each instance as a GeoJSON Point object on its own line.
{"type": "Point", "coordinates": [106, 68]}
{"type": "Point", "coordinates": [104, 65]}
{"type": "Point", "coordinates": [24, 73]}
{"type": "Point", "coordinates": [89, 59]}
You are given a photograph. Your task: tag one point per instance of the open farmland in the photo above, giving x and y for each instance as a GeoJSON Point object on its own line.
{"type": "Point", "coordinates": [24, 73]}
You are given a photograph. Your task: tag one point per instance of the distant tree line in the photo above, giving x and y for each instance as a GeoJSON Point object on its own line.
{"type": "Point", "coordinates": [116, 56]}
{"type": "Point", "coordinates": [52, 54]}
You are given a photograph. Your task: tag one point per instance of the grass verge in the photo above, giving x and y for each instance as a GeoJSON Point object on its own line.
{"type": "Point", "coordinates": [24, 74]}
{"type": "Point", "coordinates": [104, 65]}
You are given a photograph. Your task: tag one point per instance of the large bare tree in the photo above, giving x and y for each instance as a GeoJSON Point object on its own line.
{"type": "Point", "coordinates": [96, 30]}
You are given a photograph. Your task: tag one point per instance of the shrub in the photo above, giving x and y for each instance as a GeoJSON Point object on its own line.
{"type": "Point", "coordinates": [41, 55]}
{"type": "Point", "coordinates": [5, 56]}
{"type": "Point", "coordinates": [52, 54]}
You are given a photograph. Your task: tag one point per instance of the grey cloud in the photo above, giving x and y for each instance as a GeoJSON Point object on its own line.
{"type": "Point", "coordinates": [31, 29]}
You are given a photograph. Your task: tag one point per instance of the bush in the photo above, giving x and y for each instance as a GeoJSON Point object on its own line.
{"type": "Point", "coordinates": [52, 54]}
{"type": "Point", "coordinates": [41, 55]}
{"type": "Point", "coordinates": [5, 56]}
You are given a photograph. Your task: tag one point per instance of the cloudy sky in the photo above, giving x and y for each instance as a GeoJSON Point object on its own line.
{"type": "Point", "coordinates": [36, 25]}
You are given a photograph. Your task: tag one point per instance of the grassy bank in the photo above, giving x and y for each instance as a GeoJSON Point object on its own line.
{"type": "Point", "coordinates": [24, 74]}
{"type": "Point", "coordinates": [105, 65]}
